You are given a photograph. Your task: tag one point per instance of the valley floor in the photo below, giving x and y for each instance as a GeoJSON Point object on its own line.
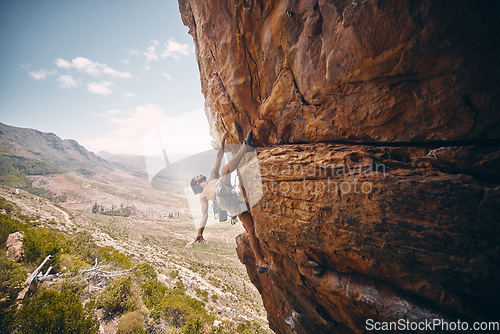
{"type": "Point", "coordinates": [159, 231]}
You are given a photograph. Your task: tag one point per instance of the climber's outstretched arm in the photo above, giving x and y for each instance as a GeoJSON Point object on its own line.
{"type": "Point", "coordinates": [204, 218]}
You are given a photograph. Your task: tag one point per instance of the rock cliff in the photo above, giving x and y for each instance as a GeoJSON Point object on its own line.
{"type": "Point", "coordinates": [378, 133]}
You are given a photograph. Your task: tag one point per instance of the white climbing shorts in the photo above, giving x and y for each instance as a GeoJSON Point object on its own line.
{"type": "Point", "coordinates": [229, 200]}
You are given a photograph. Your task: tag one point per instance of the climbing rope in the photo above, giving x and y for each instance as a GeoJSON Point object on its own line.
{"type": "Point", "coordinates": [280, 312]}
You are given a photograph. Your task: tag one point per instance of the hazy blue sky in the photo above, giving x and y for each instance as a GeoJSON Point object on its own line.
{"type": "Point", "coordinates": [101, 72]}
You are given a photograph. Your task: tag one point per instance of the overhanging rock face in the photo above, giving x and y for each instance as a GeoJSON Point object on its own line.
{"type": "Point", "coordinates": [376, 71]}
{"type": "Point", "coordinates": [378, 128]}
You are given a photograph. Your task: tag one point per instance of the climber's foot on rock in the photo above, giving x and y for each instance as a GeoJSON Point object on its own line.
{"type": "Point", "coordinates": [248, 141]}
{"type": "Point", "coordinates": [262, 268]}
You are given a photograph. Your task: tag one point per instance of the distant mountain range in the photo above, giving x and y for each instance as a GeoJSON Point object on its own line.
{"type": "Point", "coordinates": [36, 152]}
{"type": "Point", "coordinates": [25, 146]}
{"type": "Point", "coordinates": [130, 162]}
{"type": "Point", "coordinates": [26, 152]}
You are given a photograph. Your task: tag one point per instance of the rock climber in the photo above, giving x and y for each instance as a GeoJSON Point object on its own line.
{"type": "Point", "coordinates": [219, 188]}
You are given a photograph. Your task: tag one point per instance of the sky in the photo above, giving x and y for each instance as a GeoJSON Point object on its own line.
{"type": "Point", "coordinates": [105, 73]}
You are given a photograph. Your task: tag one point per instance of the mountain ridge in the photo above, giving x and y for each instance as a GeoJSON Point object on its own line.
{"type": "Point", "coordinates": [130, 162]}
{"type": "Point", "coordinates": [33, 144]}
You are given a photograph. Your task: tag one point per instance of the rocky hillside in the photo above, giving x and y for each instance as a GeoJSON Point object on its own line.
{"type": "Point", "coordinates": [28, 145]}
{"type": "Point", "coordinates": [378, 131]}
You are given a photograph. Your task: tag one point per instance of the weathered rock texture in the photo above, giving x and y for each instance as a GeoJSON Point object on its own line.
{"type": "Point", "coordinates": [378, 128]}
{"type": "Point", "coordinates": [384, 71]}
{"type": "Point", "coordinates": [15, 246]}
{"type": "Point", "coordinates": [363, 232]}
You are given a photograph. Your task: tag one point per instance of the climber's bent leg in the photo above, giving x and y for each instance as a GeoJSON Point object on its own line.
{"type": "Point", "coordinates": [247, 220]}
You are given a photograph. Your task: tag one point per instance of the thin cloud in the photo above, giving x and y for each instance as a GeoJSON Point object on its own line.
{"type": "Point", "coordinates": [174, 49]}
{"type": "Point", "coordinates": [67, 81]}
{"type": "Point", "coordinates": [128, 94]}
{"type": "Point", "coordinates": [101, 88]}
{"type": "Point", "coordinates": [109, 113]}
{"type": "Point", "coordinates": [25, 67]}
{"type": "Point", "coordinates": [169, 49]}
{"type": "Point", "coordinates": [41, 74]}
{"type": "Point", "coordinates": [129, 129]}
{"type": "Point", "coordinates": [112, 112]}
{"type": "Point", "coordinates": [167, 76]}
{"type": "Point", "coordinates": [143, 118]}
{"type": "Point", "coordinates": [91, 68]}
{"type": "Point", "coordinates": [151, 52]}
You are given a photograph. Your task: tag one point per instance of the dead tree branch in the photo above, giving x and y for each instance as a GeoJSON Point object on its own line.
{"type": "Point", "coordinates": [38, 276]}
{"type": "Point", "coordinates": [97, 271]}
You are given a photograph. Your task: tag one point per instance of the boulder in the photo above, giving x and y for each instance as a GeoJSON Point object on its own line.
{"type": "Point", "coordinates": [15, 246]}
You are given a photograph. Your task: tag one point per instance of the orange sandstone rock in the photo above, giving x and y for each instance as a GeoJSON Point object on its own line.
{"type": "Point", "coordinates": [333, 90]}
{"type": "Point", "coordinates": [362, 232]}
{"type": "Point", "coordinates": [363, 70]}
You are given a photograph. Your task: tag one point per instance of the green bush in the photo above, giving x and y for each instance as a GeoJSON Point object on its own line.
{"type": "Point", "coordinates": [193, 325]}
{"type": "Point", "coordinates": [180, 286]}
{"type": "Point", "coordinates": [13, 171]}
{"type": "Point", "coordinates": [55, 312]}
{"type": "Point", "coordinates": [181, 311]}
{"type": "Point", "coordinates": [117, 297]}
{"type": "Point", "coordinates": [33, 167]}
{"type": "Point", "coordinates": [9, 225]}
{"type": "Point", "coordinates": [12, 277]}
{"type": "Point", "coordinates": [82, 245]}
{"type": "Point", "coordinates": [39, 243]}
{"type": "Point", "coordinates": [174, 273]}
{"type": "Point", "coordinates": [40, 192]}
{"type": "Point", "coordinates": [6, 205]}
{"type": "Point", "coordinates": [249, 327]}
{"type": "Point", "coordinates": [204, 293]}
{"type": "Point", "coordinates": [131, 323]}
{"type": "Point", "coordinates": [145, 271]}
{"type": "Point", "coordinates": [111, 254]}
{"type": "Point", "coordinates": [73, 264]}
{"type": "Point", "coordinates": [153, 292]}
